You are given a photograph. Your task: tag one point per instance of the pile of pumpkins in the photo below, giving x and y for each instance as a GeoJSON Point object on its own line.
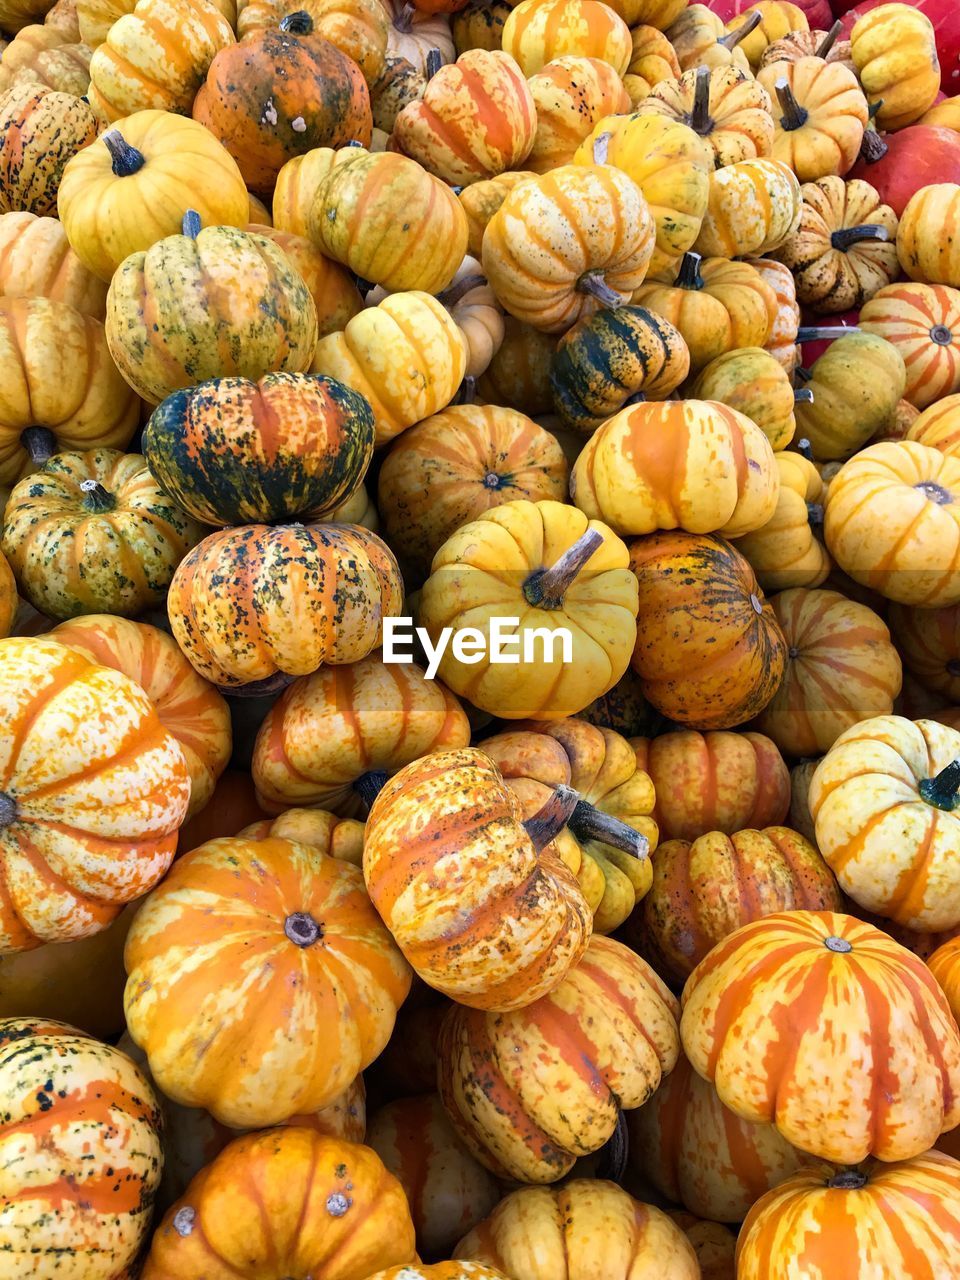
{"type": "Point", "coordinates": [637, 323]}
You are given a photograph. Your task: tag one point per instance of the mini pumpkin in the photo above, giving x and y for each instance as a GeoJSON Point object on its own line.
{"type": "Point", "coordinates": [653, 60]}
{"type": "Point", "coordinates": [414, 35]}
{"type": "Point", "coordinates": [49, 55]}
{"type": "Point", "coordinates": [787, 551]}
{"type": "Point", "coordinates": [725, 107]}
{"type": "Point", "coordinates": [821, 117]}
{"type": "Point", "coordinates": [923, 322]}
{"type": "Point", "coordinates": [480, 25]}
{"type": "Point", "coordinates": [753, 382]}
{"type": "Point", "coordinates": [481, 200]}
{"type": "Point", "coordinates": [944, 967]}
{"type": "Point", "coordinates": [40, 132]}
{"type": "Point", "coordinates": [894, 50]}
{"type": "Point", "coordinates": [809, 44]}
{"type": "Point", "coordinates": [36, 261]}
{"type": "Point", "coordinates": [571, 95]}
{"type": "Point", "coordinates": [856, 385]}
{"type": "Point", "coordinates": [928, 641]}
{"type": "Point", "coordinates": [782, 338]}
{"type": "Point", "coordinates": [925, 253]}
{"type": "Point", "coordinates": [335, 295]}
{"type": "Point", "coordinates": [299, 179]}
{"type": "Point", "coordinates": [537, 31]}
{"type": "Point", "coordinates": [753, 207]}
{"type": "Point", "coordinates": [358, 28]}
{"type": "Point", "coordinates": [778, 18]}
{"type": "Point", "coordinates": [519, 373]}
{"type": "Point", "coordinates": [938, 426]}
{"type": "Point", "coordinates": [477, 314]}
{"type": "Point", "coordinates": [701, 40]}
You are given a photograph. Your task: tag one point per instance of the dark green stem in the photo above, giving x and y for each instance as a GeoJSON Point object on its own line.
{"type": "Point", "coordinates": [794, 116]}
{"type": "Point", "coordinates": [297, 24]}
{"type": "Point", "coordinates": [369, 785]}
{"type": "Point", "coordinates": [849, 236]}
{"type": "Point", "coordinates": [700, 121]}
{"type": "Point", "coordinates": [191, 224]}
{"type": "Point", "coordinates": [943, 791]}
{"type": "Point", "coordinates": [689, 277]}
{"type": "Point", "coordinates": [96, 498]}
{"type": "Point", "coordinates": [126, 160]}
{"type": "Point", "coordinates": [40, 443]}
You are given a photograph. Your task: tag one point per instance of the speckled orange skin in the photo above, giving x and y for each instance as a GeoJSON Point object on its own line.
{"type": "Point", "coordinates": [945, 967]}
{"type": "Point", "coordinates": [772, 1003]}
{"type": "Point", "coordinates": [287, 1202]}
{"type": "Point", "coordinates": [536, 34]}
{"type": "Point", "coordinates": [586, 1228]}
{"type": "Point", "coordinates": [229, 903]}
{"type": "Point", "coordinates": [40, 130]}
{"type": "Point", "coordinates": [36, 261]}
{"type": "Point", "coordinates": [300, 596]}
{"type": "Point", "coordinates": [531, 1090]}
{"type": "Point", "coordinates": [331, 286]}
{"type": "Point", "coordinates": [440, 1271]}
{"type": "Point", "coordinates": [903, 1222]}
{"type": "Point", "coordinates": [358, 28]}
{"type": "Point", "coordinates": [571, 94]}
{"type": "Point", "coordinates": [99, 788]}
{"type": "Point", "coordinates": [714, 1244]}
{"type": "Point", "coordinates": [80, 1153]}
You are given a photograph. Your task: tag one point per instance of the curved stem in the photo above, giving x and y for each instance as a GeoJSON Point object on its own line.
{"type": "Point", "coordinates": [545, 588]}
{"type": "Point", "coordinates": [96, 498]}
{"type": "Point", "coordinates": [594, 284]}
{"type": "Point", "coordinates": [547, 823]}
{"type": "Point", "coordinates": [804, 449]}
{"type": "Point", "coordinates": [458, 291]}
{"type": "Point", "coordinates": [700, 121]}
{"type": "Point", "coordinates": [943, 791]}
{"type": "Point", "coordinates": [590, 823]}
{"type": "Point", "coordinates": [849, 236]}
{"type": "Point", "coordinates": [794, 116]}
{"type": "Point", "coordinates": [258, 688]}
{"type": "Point", "coordinates": [126, 160]}
{"type": "Point", "coordinates": [731, 40]}
{"type": "Point", "coordinates": [873, 109]}
{"type": "Point", "coordinates": [297, 24]}
{"type": "Point", "coordinates": [432, 63]}
{"type": "Point", "coordinates": [40, 443]}
{"type": "Point", "coordinates": [191, 224]}
{"type": "Point", "coordinates": [803, 395]}
{"type": "Point", "coordinates": [828, 41]}
{"type": "Point", "coordinates": [404, 19]}
{"type": "Point", "coordinates": [873, 147]}
{"type": "Point", "coordinates": [823, 332]}
{"type": "Point", "coordinates": [613, 1155]}
{"type": "Point", "coordinates": [689, 277]}
{"type": "Point", "coordinates": [369, 785]}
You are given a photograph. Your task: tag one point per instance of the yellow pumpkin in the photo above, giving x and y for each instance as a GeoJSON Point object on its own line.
{"type": "Point", "coordinates": [571, 95]}
{"type": "Point", "coordinates": [653, 60]}
{"type": "Point", "coordinates": [726, 108]}
{"type": "Point", "coordinates": [778, 18]}
{"type": "Point", "coordinates": [36, 261]}
{"type": "Point", "coordinates": [540, 30]}
{"type": "Point", "coordinates": [927, 246]}
{"type": "Point", "coordinates": [894, 49]}
{"type": "Point", "coordinates": [753, 382]}
{"type": "Point", "coordinates": [481, 200]}
{"type": "Point", "coordinates": [856, 385]}
{"type": "Point", "coordinates": [297, 183]}
{"type": "Point", "coordinates": [782, 338]}
{"type": "Point", "coordinates": [786, 551]}
{"type": "Point", "coordinates": [700, 39]}
{"type": "Point", "coordinates": [821, 117]}
{"type": "Point", "coordinates": [754, 205]}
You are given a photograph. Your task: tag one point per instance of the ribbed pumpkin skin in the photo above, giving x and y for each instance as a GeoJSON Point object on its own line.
{"type": "Point", "coordinates": [781, 341]}
{"type": "Point", "coordinates": [327, 730]}
{"type": "Point", "coordinates": [709, 650]}
{"type": "Point", "coordinates": [298, 596]}
{"type": "Point", "coordinates": [358, 28]}
{"type": "Point", "coordinates": [700, 1154]}
{"type": "Point", "coordinates": [532, 1090]}
{"type": "Point", "coordinates": [586, 1226]}
{"type": "Point", "coordinates": [754, 205]}
{"type": "Point", "coordinates": [714, 1244]}
{"type": "Point", "coordinates": [926, 253]}
{"type": "Point", "coordinates": [702, 892]}
{"type": "Point", "coordinates": [479, 912]}
{"type": "Point", "coordinates": [481, 200]}
{"type": "Point", "coordinates": [652, 61]}
{"type": "Point", "coordinates": [440, 1271]}
{"type": "Point", "coordinates": [753, 382]}
{"type": "Point", "coordinates": [48, 55]}
{"type": "Point", "coordinates": [739, 124]}
{"type": "Point", "coordinates": [80, 1150]}
{"type": "Point", "coordinates": [228, 904]}
{"type": "Point", "coordinates": [786, 552]}
{"type": "Point", "coordinates": [66, 874]}
{"type": "Point", "coordinates": [449, 469]}
{"type": "Point", "coordinates": [928, 641]}
{"type": "Point", "coordinates": [334, 293]}
{"type": "Point", "coordinates": [232, 451]}
{"type": "Point", "coordinates": [192, 711]}
{"type": "Point", "coordinates": [288, 1202]}
{"type": "Point", "coordinates": [894, 50]}
{"type": "Point", "coordinates": [828, 141]}
{"type": "Point", "coordinates": [891, 850]}
{"type": "Point", "coordinates": [644, 470]}
{"type": "Point", "coordinates": [518, 374]}
{"type": "Point", "coordinates": [36, 261]}
{"type": "Point", "coordinates": [923, 322]}
{"type": "Point", "coordinates": [8, 597]}
{"type": "Point", "coordinates": [40, 131]}
{"type": "Point", "coordinates": [945, 966]}
{"type": "Point", "coordinates": [58, 375]}
{"type": "Point", "coordinates": [298, 180]}
{"type": "Point", "coordinates": [571, 94]}
{"type": "Point", "coordinates": [336, 837]}
{"type": "Point", "coordinates": [856, 385]}
{"type": "Point", "coordinates": [177, 315]}
{"type": "Point", "coordinates": [714, 782]}
{"type": "Point", "coordinates": [555, 229]}
{"type": "Point", "coordinates": [825, 1229]}
{"type": "Point", "coordinates": [762, 1011]}
{"type": "Point", "coordinates": [449, 1192]}
{"type": "Point", "coordinates": [536, 33]}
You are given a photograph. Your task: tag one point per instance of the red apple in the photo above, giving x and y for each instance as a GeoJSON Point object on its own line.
{"type": "Point", "coordinates": [915, 157]}
{"type": "Point", "coordinates": [945, 16]}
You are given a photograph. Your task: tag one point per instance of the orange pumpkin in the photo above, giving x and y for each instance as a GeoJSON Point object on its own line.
{"type": "Point", "coordinates": [938, 426]}
{"type": "Point", "coordinates": [821, 118]}
{"type": "Point", "coordinates": [36, 261]}
{"type": "Point", "coordinates": [714, 1244]}
{"type": "Point", "coordinates": [440, 1271]}
{"type": "Point", "coordinates": [358, 28]}
{"type": "Point", "coordinates": [336, 837]}
{"type": "Point", "coordinates": [652, 61]}
{"type": "Point", "coordinates": [538, 31]}
{"type": "Point", "coordinates": [571, 95]}
{"type": "Point", "coordinates": [923, 322]}
{"type": "Point", "coordinates": [945, 967]}
{"type": "Point", "coordinates": [928, 641]}
{"type": "Point", "coordinates": [725, 107]}
{"type": "Point", "coordinates": [8, 597]}
{"type": "Point", "coordinates": [519, 373]}
{"type": "Point", "coordinates": [40, 132]}
{"type": "Point", "coordinates": [481, 200]}
{"type": "Point", "coordinates": [782, 338]}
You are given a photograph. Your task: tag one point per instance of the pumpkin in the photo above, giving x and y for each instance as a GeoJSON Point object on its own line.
{"type": "Point", "coordinates": [856, 385]}
{"type": "Point", "coordinates": [327, 732]}
{"type": "Point", "coordinates": [480, 25]}
{"type": "Point", "coordinates": [440, 1271]}
{"type": "Point", "coordinates": [804, 981]}
{"type": "Point", "coordinates": [709, 650]}
{"type": "Point", "coordinates": [923, 322]}
{"type": "Point", "coordinates": [335, 295]}
{"type": "Point", "coordinates": [782, 337]}
{"type": "Point", "coordinates": [297, 182]}
{"type": "Point", "coordinates": [476, 118]}
{"type": "Point", "coordinates": [927, 640]}
{"type": "Point", "coordinates": [299, 596]}
{"type": "Point", "coordinates": [414, 35]}
{"type": "Point", "coordinates": [93, 533]}
{"type": "Point", "coordinates": [94, 18]}
{"type": "Point", "coordinates": [786, 551]}
{"type": "Point", "coordinates": [36, 261]}
{"type": "Point", "coordinates": [844, 251]}
{"type": "Point", "coordinates": [891, 519]}
{"type": "Point", "coordinates": [944, 967]}
{"type": "Point", "coordinates": [565, 243]}
{"type": "Point", "coordinates": [531, 1090]}
{"type": "Point", "coordinates": [481, 200]}
{"type": "Point", "coordinates": [406, 357]}
{"type": "Point", "coordinates": [47, 55]}
{"type": "Point", "coordinates": [547, 564]}
{"type": "Point", "coordinates": [900, 164]}
{"type": "Point", "coordinates": [753, 207]}
{"type": "Point", "coordinates": [937, 426]}
{"type": "Point", "coordinates": [353, 219]}
{"type": "Point", "coordinates": [233, 451]}
{"type": "Point", "coordinates": [398, 84]}
{"type": "Point", "coordinates": [128, 190]}
{"type": "Point", "coordinates": [753, 382]}
{"type": "Point", "coordinates": [821, 117]}
{"type": "Point", "coordinates": [587, 1226]}
{"type": "Point", "coordinates": [449, 469]}
{"type": "Point", "coordinates": [884, 775]}
{"type": "Point", "coordinates": [809, 44]}
{"type": "Point", "coordinates": [943, 115]}
{"type": "Point", "coordinates": [652, 61]}
{"type": "Point", "coordinates": [724, 107]}
{"type": "Point", "coordinates": [519, 373]}
{"type": "Point", "coordinates": [607, 358]}
{"type": "Point", "coordinates": [337, 837]}
{"type": "Point", "coordinates": [339, 1214]}
{"type": "Point", "coordinates": [698, 1153]}
{"type": "Point", "coordinates": [80, 1144]}
{"type": "Point", "coordinates": [8, 598]}
{"type": "Point", "coordinates": [643, 470]}
{"type": "Point", "coordinates": [126, 75]}
{"type": "Point", "coordinates": [16, 14]}
{"type": "Point", "coordinates": [358, 28]}
{"type": "Point", "coordinates": [778, 18]}
{"type": "Point", "coordinates": [670, 166]}
{"type": "Point", "coordinates": [474, 308]}
{"type": "Point", "coordinates": [448, 1191]}
{"type": "Point", "coordinates": [714, 1244]}
{"type": "Point", "coordinates": [40, 132]}
{"type": "Point", "coordinates": [537, 31]}
{"type": "Point", "coordinates": [894, 50]}
{"type": "Point", "coordinates": [61, 389]}
{"type": "Point", "coordinates": [714, 782]}
{"type": "Point", "coordinates": [824, 1214]}
{"type": "Point", "coordinates": [61, 879]}
{"type": "Point", "coordinates": [700, 39]}
{"type": "Point", "coordinates": [716, 305]}
{"type": "Point", "coordinates": [570, 96]}
{"type": "Point", "coordinates": [926, 252]}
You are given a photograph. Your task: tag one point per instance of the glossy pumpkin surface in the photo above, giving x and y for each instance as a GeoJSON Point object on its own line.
{"type": "Point", "coordinates": [536, 33]}
{"type": "Point", "coordinates": [731, 112]}
{"type": "Point", "coordinates": [571, 94]}
{"type": "Point", "coordinates": [820, 116]}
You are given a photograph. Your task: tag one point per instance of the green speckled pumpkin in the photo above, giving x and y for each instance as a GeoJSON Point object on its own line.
{"type": "Point", "coordinates": [93, 533]}
{"type": "Point", "coordinates": [40, 130]}
{"type": "Point", "coordinates": [222, 303]}
{"type": "Point", "coordinates": [232, 451]}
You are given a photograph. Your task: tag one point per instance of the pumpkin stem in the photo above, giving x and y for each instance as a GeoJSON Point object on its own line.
{"type": "Point", "coordinates": [547, 823]}
{"type": "Point", "coordinates": [840, 946]}
{"type": "Point", "coordinates": [689, 277]}
{"type": "Point", "coordinates": [613, 1155]}
{"type": "Point", "coordinates": [873, 108]}
{"type": "Point", "coordinates": [404, 19]}
{"type": "Point", "coordinates": [96, 498]}
{"type": "Point", "coordinates": [258, 688]}
{"type": "Point", "coordinates": [590, 823]}
{"type": "Point", "coordinates": [873, 147]}
{"type": "Point", "coordinates": [848, 1180]}
{"type": "Point", "coordinates": [594, 284]}
{"type": "Point", "coordinates": [731, 40]}
{"type": "Point", "coordinates": [369, 785]}
{"type": "Point", "coordinates": [849, 236]}
{"type": "Point", "coordinates": [815, 514]}
{"type": "Point", "coordinates": [803, 395]}
{"type": "Point", "coordinates": [459, 290]}
{"type": "Point", "coordinates": [601, 147]}
{"type": "Point", "coordinates": [935, 492]}
{"type": "Point", "coordinates": [804, 449]}
{"type": "Point", "coordinates": [467, 392]}
{"type": "Point", "coordinates": [302, 929]}
{"type": "Point", "coordinates": [941, 335]}
{"type": "Point", "coordinates": [823, 332]}
{"type": "Point", "coordinates": [40, 443]}
{"type": "Point", "coordinates": [297, 24]}
{"type": "Point", "coordinates": [943, 791]}
{"type": "Point", "coordinates": [8, 810]}
{"type": "Point", "coordinates": [546, 588]}
{"type": "Point", "coordinates": [363, 286]}
{"type": "Point", "coordinates": [794, 116]}
{"type": "Point", "coordinates": [127, 160]}
{"type": "Point", "coordinates": [700, 121]}
{"type": "Point", "coordinates": [191, 224]}
{"type": "Point", "coordinates": [432, 63]}
{"type": "Point", "coordinates": [829, 40]}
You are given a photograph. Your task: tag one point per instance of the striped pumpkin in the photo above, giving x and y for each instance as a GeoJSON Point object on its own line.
{"type": "Point", "coordinates": [298, 596]}
{"type": "Point", "coordinates": [927, 246]}
{"type": "Point", "coordinates": [770, 1004]}
{"type": "Point", "coordinates": [80, 1150]}
{"type": "Point", "coordinates": [928, 641]}
{"type": "Point", "coordinates": [923, 323]}
{"type": "Point", "coordinates": [538, 31]}
{"type": "Point", "coordinates": [938, 426]}
{"type": "Point", "coordinates": [781, 339]}
{"type": "Point", "coordinates": [250, 914]}
{"type": "Point", "coordinates": [481, 200]}
{"type": "Point", "coordinates": [9, 602]}
{"type": "Point", "coordinates": [698, 1153]}
{"type": "Point", "coordinates": [331, 286]}
{"type": "Point", "coordinates": [36, 261]}
{"type": "Point", "coordinates": [753, 207]}
{"type": "Point", "coordinates": [440, 1271]}
{"type": "Point", "coordinates": [329, 730]}
{"type": "Point", "coordinates": [530, 1091]}
{"type": "Point", "coordinates": [714, 1244]}
{"type": "Point", "coordinates": [571, 94]}
{"type": "Point", "coordinates": [188, 708]}
{"type": "Point", "coordinates": [786, 551]}
{"type": "Point", "coordinates": [336, 837]}
{"type": "Point", "coordinates": [448, 1191]}
{"type": "Point", "coordinates": [41, 131]}
{"type": "Point", "coordinates": [945, 967]}
{"type": "Point", "coordinates": [897, 1219]}
{"type": "Point", "coordinates": [726, 108]}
